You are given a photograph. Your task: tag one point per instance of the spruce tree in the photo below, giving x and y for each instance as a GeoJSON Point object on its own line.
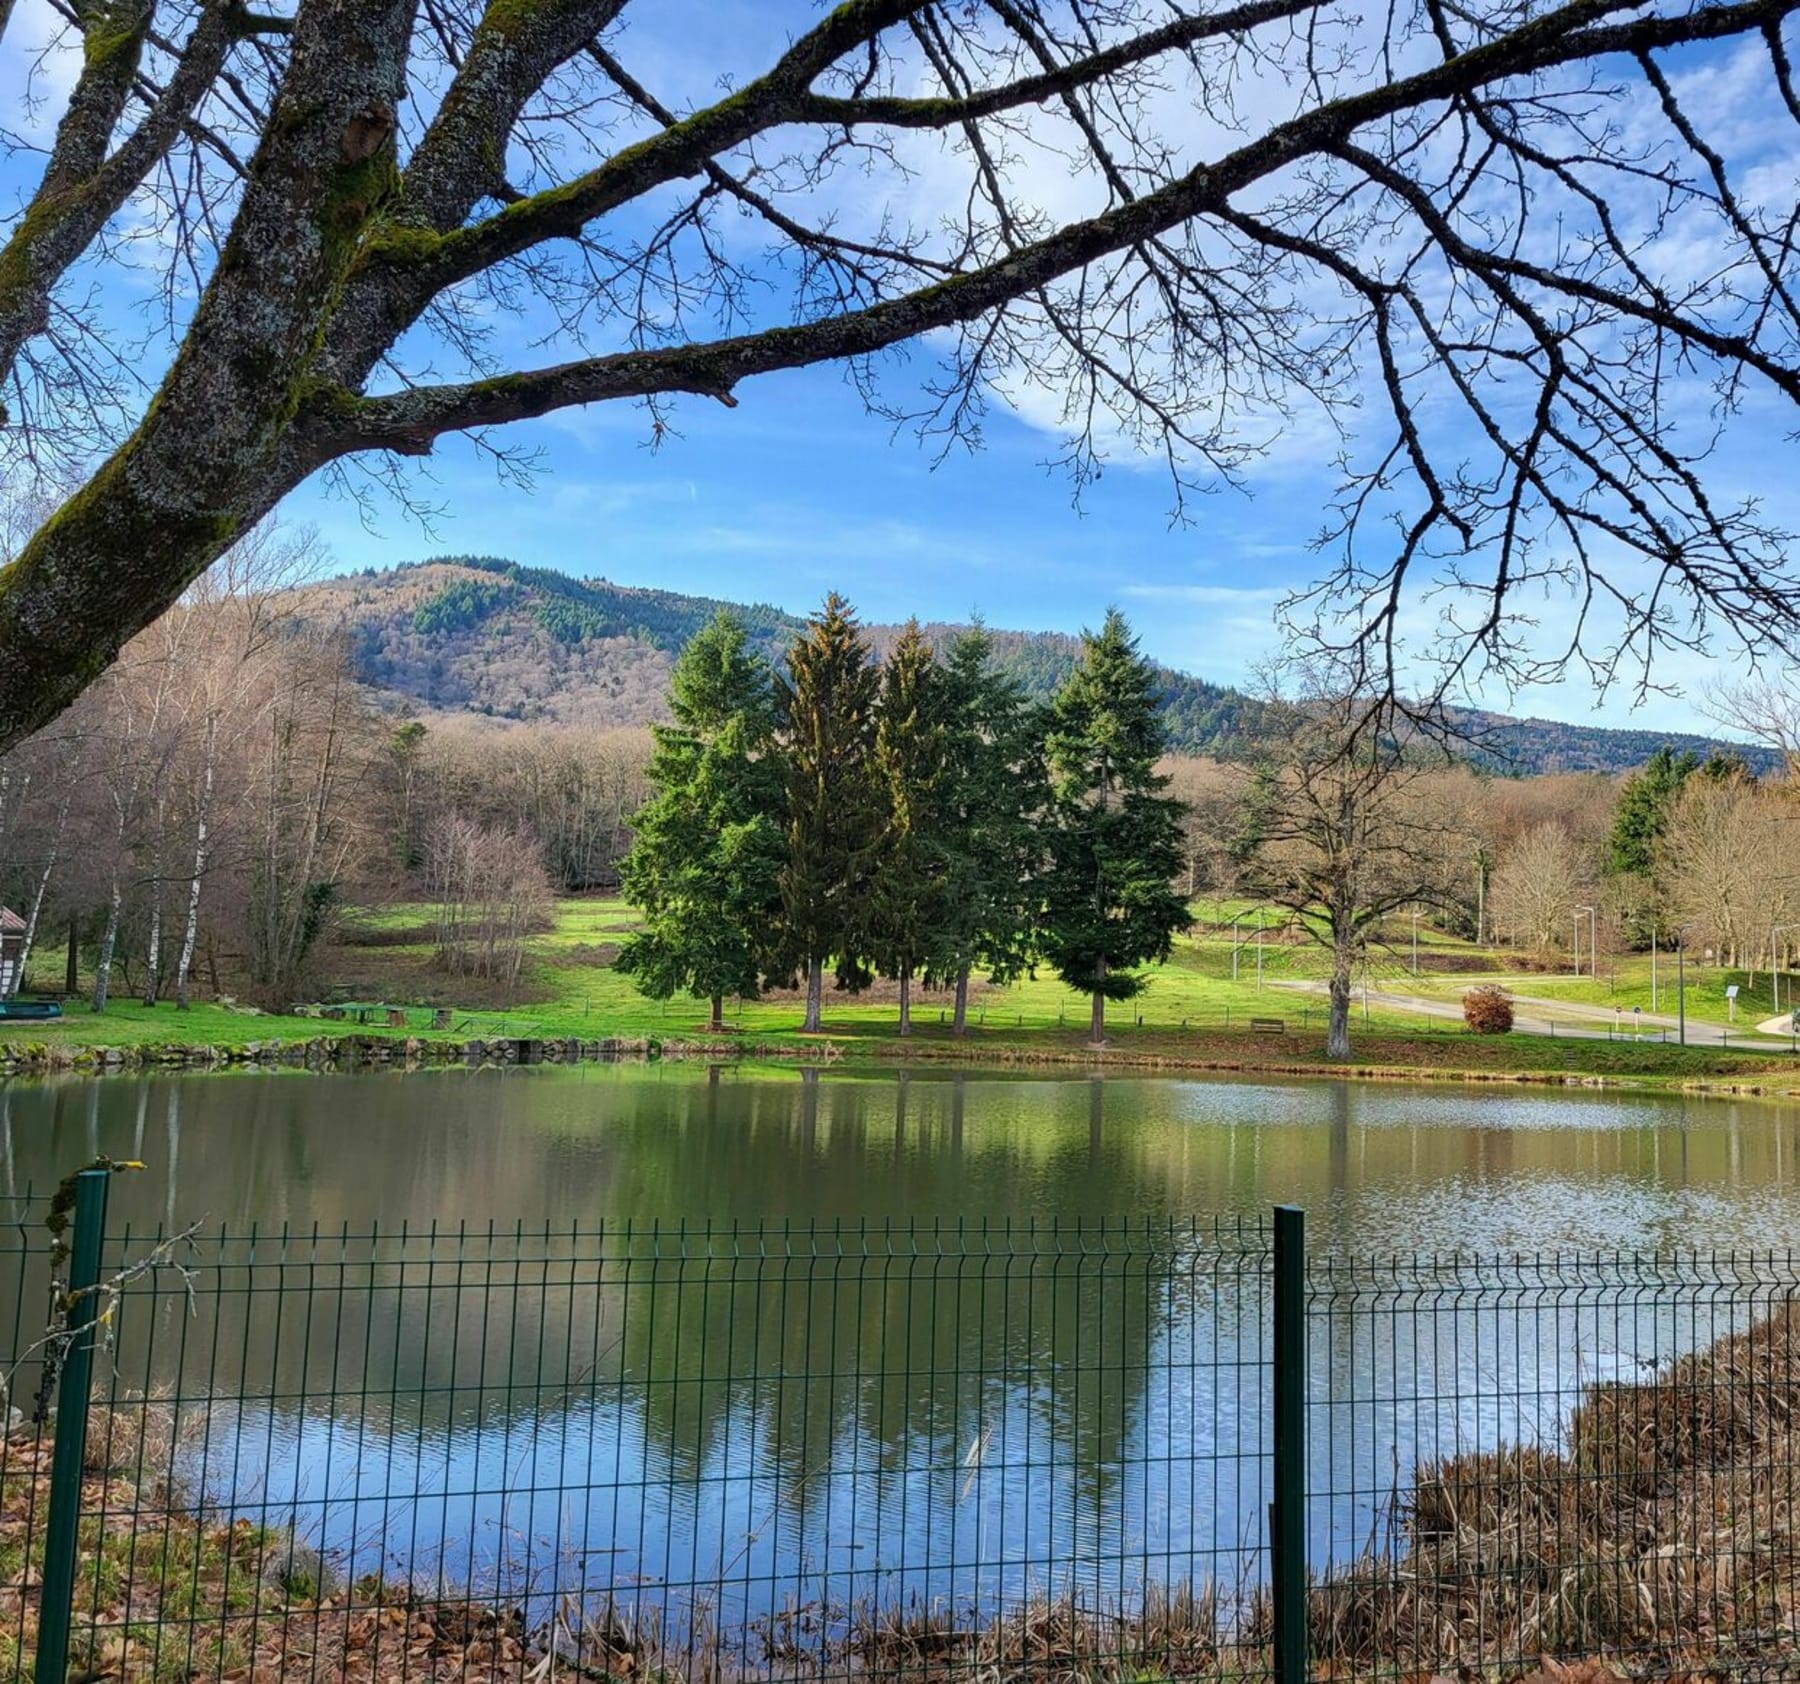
{"type": "Point", "coordinates": [827, 713]}
{"type": "Point", "coordinates": [997, 796]}
{"type": "Point", "coordinates": [908, 895]}
{"type": "Point", "coordinates": [706, 854]}
{"type": "Point", "coordinates": [1115, 844]}
{"type": "Point", "coordinates": [1646, 801]}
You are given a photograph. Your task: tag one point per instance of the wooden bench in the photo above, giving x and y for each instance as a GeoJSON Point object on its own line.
{"type": "Point", "coordinates": [1268, 1026]}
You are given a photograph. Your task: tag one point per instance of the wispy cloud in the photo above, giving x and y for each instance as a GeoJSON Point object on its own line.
{"type": "Point", "coordinates": [1207, 596]}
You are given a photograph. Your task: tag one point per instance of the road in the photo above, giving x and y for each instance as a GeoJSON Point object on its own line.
{"type": "Point", "coordinates": [1533, 1015]}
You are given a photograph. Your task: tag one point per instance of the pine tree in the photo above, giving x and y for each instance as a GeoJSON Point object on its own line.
{"type": "Point", "coordinates": [1115, 845]}
{"type": "Point", "coordinates": [1646, 801]}
{"type": "Point", "coordinates": [706, 856]}
{"type": "Point", "coordinates": [997, 794]}
{"type": "Point", "coordinates": [827, 709]}
{"type": "Point", "coordinates": [908, 899]}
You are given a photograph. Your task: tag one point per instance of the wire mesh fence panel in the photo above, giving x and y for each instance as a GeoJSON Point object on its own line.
{"type": "Point", "coordinates": [1579, 1457]}
{"type": "Point", "coordinates": [24, 1453]}
{"type": "Point", "coordinates": [953, 1449]}
{"type": "Point", "coordinates": [787, 1450]}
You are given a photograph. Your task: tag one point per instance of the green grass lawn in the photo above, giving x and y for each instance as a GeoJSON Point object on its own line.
{"type": "Point", "coordinates": [1193, 1008]}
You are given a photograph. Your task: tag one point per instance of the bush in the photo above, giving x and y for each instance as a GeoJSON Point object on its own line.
{"type": "Point", "coordinates": [1488, 1010]}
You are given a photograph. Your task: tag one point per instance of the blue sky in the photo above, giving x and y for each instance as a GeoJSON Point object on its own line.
{"type": "Point", "coordinates": [797, 491]}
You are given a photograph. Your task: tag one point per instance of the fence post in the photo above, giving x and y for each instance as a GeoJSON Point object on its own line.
{"type": "Point", "coordinates": [76, 1377]}
{"type": "Point", "coordinates": [1287, 1514]}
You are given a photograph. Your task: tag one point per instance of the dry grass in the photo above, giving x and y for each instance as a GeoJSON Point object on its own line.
{"type": "Point", "coordinates": [1665, 1536]}
{"type": "Point", "coordinates": [1175, 1633]}
{"type": "Point", "coordinates": [1663, 1541]}
{"type": "Point", "coordinates": [164, 1596]}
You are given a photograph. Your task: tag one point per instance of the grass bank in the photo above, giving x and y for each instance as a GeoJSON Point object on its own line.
{"type": "Point", "coordinates": [1195, 1013]}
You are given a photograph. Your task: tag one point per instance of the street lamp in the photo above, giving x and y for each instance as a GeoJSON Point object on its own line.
{"type": "Point", "coordinates": [1679, 931]}
{"type": "Point", "coordinates": [1593, 940]}
{"type": "Point", "coordinates": [1415, 919]}
{"type": "Point", "coordinates": [1235, 943]}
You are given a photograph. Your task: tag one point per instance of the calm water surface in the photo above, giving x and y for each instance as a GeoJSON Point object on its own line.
{"type": "Point", "coordinates": [1376, 1167]}
{"type": "Point", "coordinates": [956, 1428]}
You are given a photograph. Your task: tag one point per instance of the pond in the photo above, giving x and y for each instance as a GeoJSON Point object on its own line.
{"type": "Point", "coordinates": [875, 1366]}
{"type": "Point", "coordinates": [1378, 1167]}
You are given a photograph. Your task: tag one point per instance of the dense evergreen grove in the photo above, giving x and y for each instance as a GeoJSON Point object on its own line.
{"type": "Point", "coordinates": [842, 801]}
{"type": "Point", "coordinates": [914, 818]}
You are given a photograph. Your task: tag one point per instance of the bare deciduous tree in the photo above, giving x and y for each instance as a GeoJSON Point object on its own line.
{"type": "Point", "coordinates": [571, 791]}
{"type": "Point", "coordinates": [1766, 710]}
{"type": "Point", "coordinates": [1543, 876]}
{"type": "Point", "coordinates": [1212, 800]}
{"type": "Point", "coordinates": [491, 893]}
{"type": "Point", "coordinates": [1181, 224]}
{"type": "Point", "coordinates": [1725, 863]}
{"type": "Point", "coordinates": [1346, 833]}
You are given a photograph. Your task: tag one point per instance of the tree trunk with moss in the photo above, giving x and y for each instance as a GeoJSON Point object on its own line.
{"type": "Point", "coordinates": [337, 278]}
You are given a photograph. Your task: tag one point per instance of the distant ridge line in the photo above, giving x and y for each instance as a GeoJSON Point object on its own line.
{"type": "Point", "coordinates": [496, 639]}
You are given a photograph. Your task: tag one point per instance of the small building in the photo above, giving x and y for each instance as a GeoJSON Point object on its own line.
{"type": "Point", "coordinates": [12, 950]}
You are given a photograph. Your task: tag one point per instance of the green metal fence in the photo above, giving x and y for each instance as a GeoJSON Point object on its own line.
{"type": "Point", "coordinates": [950, 1450]}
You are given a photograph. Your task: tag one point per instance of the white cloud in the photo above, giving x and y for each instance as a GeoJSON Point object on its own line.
{"type": "Point", "coordinates": [1207, 596]}
{"type": "Point", "coordinates": [40, 61]}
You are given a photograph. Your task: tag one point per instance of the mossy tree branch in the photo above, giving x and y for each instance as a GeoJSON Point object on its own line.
{"type": "Point", "coordinates": [1428, 196]}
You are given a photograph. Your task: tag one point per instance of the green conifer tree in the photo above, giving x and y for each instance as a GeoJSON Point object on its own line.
{"type": "Point", "coordinates": [1115, 845]}
{"type": "Point", "coordinates": [706, 854]}
{"type": "Point", "coordinates": [908, 899]}
{"type": "Point", "coordinates": [1646, 800]}
{"type": "Point", "coordinates": [997, 794]}
{"type": "Point", "coordinates": [827, 707]}
{"type": "Point", "coordinates": [1642, 814]}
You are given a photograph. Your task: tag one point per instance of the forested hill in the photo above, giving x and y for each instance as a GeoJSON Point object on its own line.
{"type": "Point", "coordinates": [483, 635]}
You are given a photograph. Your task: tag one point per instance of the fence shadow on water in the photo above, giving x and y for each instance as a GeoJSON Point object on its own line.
{"type": "Point", "coordinates": [937, 1450]}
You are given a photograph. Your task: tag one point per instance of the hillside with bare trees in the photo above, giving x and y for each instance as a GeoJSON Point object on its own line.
{"type": "Point", "coordinates": [485, 636]}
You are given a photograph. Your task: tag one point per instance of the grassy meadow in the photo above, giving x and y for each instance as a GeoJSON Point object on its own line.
{"type": "Point", "coordinates": [1194, 1011]}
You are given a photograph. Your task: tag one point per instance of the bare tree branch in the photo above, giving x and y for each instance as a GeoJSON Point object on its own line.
{"type": "Point", "coordinates": [1435, 231]}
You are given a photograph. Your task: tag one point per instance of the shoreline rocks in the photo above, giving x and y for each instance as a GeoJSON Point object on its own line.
{"type": "Point", "coordinates": [351, 1052]}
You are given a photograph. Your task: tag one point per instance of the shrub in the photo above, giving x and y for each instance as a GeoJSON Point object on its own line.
{"type": "Point", "coordinates": [1488, 1010]}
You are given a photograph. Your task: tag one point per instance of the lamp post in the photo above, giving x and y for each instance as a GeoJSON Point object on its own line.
{"type": "Point", "coordinates": [1259, 947]}
{"type": "Point", "coordinates": [1415, 922]}
{"type": "Point", "coordinates": [1235, 944]}
{"type": "Point", "coordinates": [1653, 964]}
{"type": "Point", "coordinates": [1679, 931]}
{"type": "Point", "coordinates": [1593, 940]}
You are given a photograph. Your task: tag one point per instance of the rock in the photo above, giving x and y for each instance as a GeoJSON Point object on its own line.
{"type": "Point", "coordinates": [298, 1570]}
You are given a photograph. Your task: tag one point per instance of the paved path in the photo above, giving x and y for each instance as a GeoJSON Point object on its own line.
{"type": "Point", "coordinates": [1541, 1016]}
